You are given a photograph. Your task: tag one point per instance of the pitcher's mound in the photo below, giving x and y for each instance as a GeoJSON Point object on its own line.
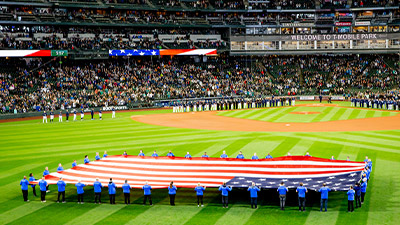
{"type": "Point", "coordinates": [304, 113]}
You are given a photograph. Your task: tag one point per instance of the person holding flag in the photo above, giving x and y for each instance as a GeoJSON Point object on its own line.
{"type": "Point", "coordinates": [79, 190]}
{"type": "Point", "coordinates": [172, 193]}
{"type": "Point", "coordinates": [199, 193]}
{"type": "Point", "coordinates": [301, 191]}
{"type": "Point", "coordinates": [127, 192]}
{"type": "Point", "coordinates": [111, 191]}
{"type": "Point", "coordinates": [282, 190]}
{"type": "Point", "coordinates": [61, 190]}
{"type": "Point", "coordinates": [31, 178]}
{"type": "Point", "coordinates": [324, 196]}
{"type": "Point", "coordinates": [253, 194]}
{"type": "Point", "coordinates": [24, 187]}
{"type": "Point", "coordinates": [224, 191]}
{"type": "Point", "coordinates": [43, 189]}
{"type": "Point", "coordinates": [350, 199]}
{"type": "Point", "coordinates": [147, 193]}
{"type": "Point", "coordinates": [97, 191]}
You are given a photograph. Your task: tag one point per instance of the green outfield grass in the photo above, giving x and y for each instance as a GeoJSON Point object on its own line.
{"type": "Point", "coordinates": [29, 146]}
{"type": "Point", "coordinates": [284, 114]}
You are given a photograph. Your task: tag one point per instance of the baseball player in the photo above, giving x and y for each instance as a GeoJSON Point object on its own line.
{"type": "Point", "coordinates": [82, 114]}
{"type": "Point", "coordinates": [92, 114]}
{"type": "Point", "coordinates": [100, 114]}
{"type": "Point", "coordinates": [113, 112]}
{"type": "Point", "coordinates": [74, 114]}
{"type": "Point", "coordinates": [51, 116]}
{"type": "Point", "coordinates": [60, 117]}
{"type": "Point", "coordinates": [44, 116]}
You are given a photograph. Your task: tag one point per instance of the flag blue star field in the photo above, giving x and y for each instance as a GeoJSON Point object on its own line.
{"type": "Point", "coordinates": [211, 172]}
{"type": "Point", "coordinates": [135, 52]}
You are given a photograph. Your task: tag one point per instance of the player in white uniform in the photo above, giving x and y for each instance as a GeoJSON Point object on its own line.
{"type": "Point", "coordinates": [100, 115]}
{"type": "Point", "coordinates": [74, 114]}
{"type": "Point", "coordinates": [113, 112]}
{"type": "Point", "coordinates": [51, 116]}
{"type": "Point", "coordinates": [60, 117]}
{"type": "Point", "coordinates": [44, 116]}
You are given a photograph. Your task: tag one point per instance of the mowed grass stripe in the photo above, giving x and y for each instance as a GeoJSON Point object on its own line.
{"type": "Point", "coordinates": [265, 112]}
{"type": "Point", "coordinates": [330, 115]}
{"type": "Point", "coordinates": [166, 214]}
{"type": "Point", "coordinates": [345, 114]}
{"type": "Point", "coordinates": [236, 216]}
{"type": "Point", "coordinates": [21, 211]}
{"type": "Point", "coordinates": [283, 113]}
{"type": "Point", "coordinates": [96, 214]}
{"type": "Point", "coordinates": [301, 147]}
{"type": "Point", "coordinates": [325, 112]}
{"type": "Point", "coordinates": [353, 114]}
{"type": "Point", "coordinates": [284, 146]}
{"type": "Point", "coordinates": [338, 114]}
{"type": "Point", "coordinates": [385, 193]}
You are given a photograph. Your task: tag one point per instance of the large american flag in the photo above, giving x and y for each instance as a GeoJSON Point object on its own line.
{"type": "Point", "coordinates": [211, 172]}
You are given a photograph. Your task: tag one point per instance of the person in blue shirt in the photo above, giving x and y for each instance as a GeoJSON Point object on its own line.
{"type": "Point", "coordinates": [92, 113]}
{"type": "Point", "coordinates": [60, 168]}
{"type": "Point", "coordinates": [363, 189]}
{"type": "Point", "coordinates": [43, 189]}
{"type": "Point", "coordinates": [61, 190]}
{"type": "Point", "coordinates": [308, 154]}
{"type": "Point", "coordinates": [333, 158]}
{"type": "Point", "coordinates": [350, 199]}
{"type": "Point", "coordinates": [172, 193]}
{"type": "Point", "coordinates": [127, 192]}
{"type": "Point", "coordinates": [45, 173]}
{"type": "Point", "coordinates": [170, 154]}
{"type": "Point", "coordinates": [74, 164]}
{"type": "Point", "coordinates": [199, 192]}
{"type": "Point", "coordinates": [357, 189]}
{"type": "Point", "coordinates": [147, 193]}
{"type": "Point", "coordinates": [204, 155]}
{"type": "Point", "coordinates": [86, 160]}
{"type": "Point", "coordinates": [282, 190]}
{"type": "Point", "coordinates": [141, 153]}
{"type": "Point", "coordinates": [224, 191]}
{"type": "Point", "coordinates": [324, 196]}
{"type": "Point", "coordinates": [224, 155]}
{"type": "Point", "coordinates": [105, 154]}
{"type": "Point", "coordinates": [254, 157]}
{"type": "Point", "coordinates": [79, 190]}
{"type": "Point", "coordinates": [188, 156]}
{"type": "Point", "coordinates": [239, 156]}
{"type": "Point", "coordinates": [24, 187]}
{"type": "Point", "coordinates": [268, 156]}
{"type": "Point", "coordinates": [31, 178]}
{"type": "Point", "coordinates": [301, 192]}
{"type": "Point", "coordinates": [97, 157]}
{"type": "Point", "coordinates": [253, 194]}
{"type": "Point", "coordinates": [97, 191]}
{"type": "Point", "coordinates": [154, 154]}
{"type": "Point", "coordinates": [348, 159]}
{"type": "Point", "coordinates": [125, 153]}
{"type": "Point", "coordinates": [111, 191]}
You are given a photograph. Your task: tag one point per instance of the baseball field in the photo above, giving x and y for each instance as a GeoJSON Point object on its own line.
{"type": "Point", "coordinates": [29, 146]}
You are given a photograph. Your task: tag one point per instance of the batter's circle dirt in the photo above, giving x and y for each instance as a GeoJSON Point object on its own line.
{"type": "Point", "coordinates": [211, 121]}
{"type": "Point", "coordinates": [304, 113]}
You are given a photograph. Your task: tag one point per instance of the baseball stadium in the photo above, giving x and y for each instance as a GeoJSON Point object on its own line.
{"type": "Point", "coordinates": [200, 112]}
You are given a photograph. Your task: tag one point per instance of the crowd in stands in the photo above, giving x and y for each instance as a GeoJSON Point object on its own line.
{"type": "Point", "coordinates": [121, 82]}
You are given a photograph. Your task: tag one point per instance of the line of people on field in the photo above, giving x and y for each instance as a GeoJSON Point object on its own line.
{"type": "Point", "coordinates": [355, 193]}
{"type": "Point", "coordinates": [230, 104]}
{"type": "Point", "coordinates": [376, 103]}
{"type": "Point", "coordinates": [74, 112]}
